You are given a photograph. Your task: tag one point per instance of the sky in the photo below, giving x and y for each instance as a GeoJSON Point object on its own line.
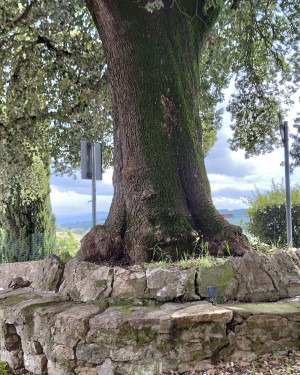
{"type": "Point", "coordinates": [232, 178]}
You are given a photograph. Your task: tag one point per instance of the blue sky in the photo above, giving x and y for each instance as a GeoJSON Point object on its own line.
{"type": "Point", "coordinates": [231, 176]}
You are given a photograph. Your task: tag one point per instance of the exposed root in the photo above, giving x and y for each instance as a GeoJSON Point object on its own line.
{"type": "Point", "coordinates": [102, 245]}
{"type": "Point", "coordinates": [105, 245]}
{"type": "Point", "coordinates": [231, 241]}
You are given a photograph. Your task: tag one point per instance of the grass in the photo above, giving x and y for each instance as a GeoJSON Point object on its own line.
{"type": "Point", "coordinates": [3, 368]}
{"type": "Point", "coordinates": [188, 262]}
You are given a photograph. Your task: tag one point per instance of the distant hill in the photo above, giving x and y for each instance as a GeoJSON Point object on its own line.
{"type": "Point", "coordinates": [79, 223]}
{"type": "Point", "coordinates": [82, 222]}
{"type": "Point", "coordinates": [65, 220]}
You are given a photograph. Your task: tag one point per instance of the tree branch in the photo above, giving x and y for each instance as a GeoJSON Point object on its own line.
{"type": "Point", "coordinates": [48, 43]}
{"type": "Point", "coordinates": [23, 16]}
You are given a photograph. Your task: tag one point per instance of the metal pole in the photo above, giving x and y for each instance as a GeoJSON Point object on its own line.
{"type": "Point", "coordinates": [94, 183]}
{"type": "Point", "coordinates": [287, 185]}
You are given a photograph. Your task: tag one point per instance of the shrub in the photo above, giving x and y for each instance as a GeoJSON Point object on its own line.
{"type": "Point", "coordinates": [66, 246]}
{"type": "Point", "coordinates": [267, 215]}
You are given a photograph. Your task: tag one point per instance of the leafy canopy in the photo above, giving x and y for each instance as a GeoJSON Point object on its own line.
{"type": "Point", "coordinates": [256, 43]}
{"type": "Point", "coordinates": [53, 89]}
{"type": "Point", "coordinates": [52, 83]}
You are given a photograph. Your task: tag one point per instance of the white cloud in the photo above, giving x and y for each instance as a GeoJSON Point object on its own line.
{"type": "Point", "coordinates": [222, 182]}
{"type": "Point", "coordinates": [71, 203]}
{"type": "Point", "coordinates": [228, 203]}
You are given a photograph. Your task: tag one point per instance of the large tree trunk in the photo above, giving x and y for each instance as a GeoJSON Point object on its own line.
{"type": "Point", "coordinates": [162, 199]}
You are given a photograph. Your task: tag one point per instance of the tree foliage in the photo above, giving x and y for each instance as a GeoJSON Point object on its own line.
{"type": "Point", "coordinates": [267, 215]}
{"type": "Point", "coordinates": [295, 149]}
{"type": "Point", "coordinates": [27, 224]}
{"type": "Point", "coordinates": [53, 86]}
{"type": "Point", "coordinates": [66, 245]}
{"type": "Point", "coordinates": [53, 89]}
{"type": "Point", "coordinates": [256, 43]}
{"type": "Point", "coordinates": [52, 94]}
{"type": "Point", "coordinates": [52, 83]}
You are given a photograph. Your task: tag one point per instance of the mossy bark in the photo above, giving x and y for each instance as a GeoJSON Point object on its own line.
{"type": "Point", "coordinates": [161, 191]}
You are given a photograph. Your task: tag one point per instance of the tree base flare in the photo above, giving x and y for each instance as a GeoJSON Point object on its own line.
{"type": "Point", "coordinates": [103, 245]}
{"type": "Point", "coordinates": [231, 241]}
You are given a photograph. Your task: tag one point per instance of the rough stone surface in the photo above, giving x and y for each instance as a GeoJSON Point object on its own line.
{"type": "Point", "coordinates": [72, 324]}
{"type": "Point", "coordinates": [86, 371]}
{"type": "Point", "coordinates": [49, 274]}
{"type": "Point", "coordinates": [9, 271]}
{"type": "Point", "coordinates": [262, 278]}
{"type": "Point", "coordinates": [130, 321]}
{"type": "Point", "coordinates": [129, 282]}
{"type": "Point", "coordinates": [221, 277]}
{"type": "Point", "coordinates": [262, 328]}
{"type": "Point", "coordinates": [200, 313]}
{"type": "Point", "coordinates": [86, 282]}
{"type": "Point", "coordinates": [18, 282]}
{"type": "Point", "coordinates": [169, 283]}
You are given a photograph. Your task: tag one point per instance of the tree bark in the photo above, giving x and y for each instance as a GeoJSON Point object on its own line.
{"type": "Point", "coordinates": [162, 201]}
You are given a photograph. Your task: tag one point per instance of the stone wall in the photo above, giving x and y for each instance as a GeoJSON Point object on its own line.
{"type": "Point", "coordinates": [86, 319]}
{"type": "Point", "coordinates": [9, 271]}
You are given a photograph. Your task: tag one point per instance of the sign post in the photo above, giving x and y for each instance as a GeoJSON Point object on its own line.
{"type": "Point", "coordinates": [91, 167]}
{"type": "Point", "coordinates": [284, 132]}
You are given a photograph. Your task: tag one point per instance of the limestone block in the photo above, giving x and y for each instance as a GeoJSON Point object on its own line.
{"type": "Point", "coordinates": [36, 364]}
{"type": "Point", "coordinates": [167, 283]}
{"type": "Point", "coordinates": [108, 321]}
{"type": "Point", "coordinates": [43, 328]}
{"type": "Point", "coordinates": [107, 368]}
{"type": "Point", "coordinates": [125, 354]}
{"type": "Point", "coordinates": [264, 321]}
{"type": "Point", "coordinates": [201, 313]}
{"type": "Point", "coordinates": [49, 273]}
{"type": "Point", "coordinates": [288, 273]}
{"type": "Point", "coordinates": [86, 370]}
{"type": "Point", "coordinates": [60, 368]}
{"type": "Point", "coordinates": [194, 366]}
{"type": "Point", "coordinates": [157, 320]}
{"type": "Point", "coordinates": [63, 353]}
{"type": "Point", "coordinates": [262, 278]}
{"type": "Point", "coordinates": [90, 353]}
{"type": "Point", "coordinates": [14, 358]}
{"type": "Point", "coordinates": [129, 282]}
{"type": "Point", "coordinates": [9, 271]}
{"type": "Point", "coordinates": [72, 324]}
{"type": "Point", "coordinates": [24, 311]}
{"type": "Point", "coordinates": [190, 289]}
{"type": "Point", "coordinates": [143, 369]}
{"type": "Point", "coordinates": [86, 282]}
{"type": "Point", "coordinates": [254, 283]}
{"type": "Point", "coordinates": [9, 299]}
{"type": "Point", "coordinates": [241, 355]}
{"type": "Point", "coordinates": [221, 277]}
{"type": "Point", "coordinates": [296, 317]}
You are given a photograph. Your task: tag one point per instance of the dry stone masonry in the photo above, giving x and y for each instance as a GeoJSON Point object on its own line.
{"type": "Point", "coordinates": [85, 319]}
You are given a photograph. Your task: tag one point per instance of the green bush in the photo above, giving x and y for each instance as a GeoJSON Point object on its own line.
{"type": "Point", "coordinates": [267, 215]}
{"type": "Point", "coordinates": [66, 246]}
